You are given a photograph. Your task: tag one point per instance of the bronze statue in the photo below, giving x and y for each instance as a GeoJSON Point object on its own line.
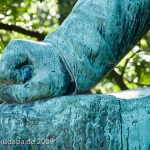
{"type": "Point", "coordinates": [75, 57]}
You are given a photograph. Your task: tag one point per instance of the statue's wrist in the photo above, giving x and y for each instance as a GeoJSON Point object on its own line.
{"type": "Point", "coordinates": [66, 79]}
{"type": "Point", "coordinates": [69, 81]}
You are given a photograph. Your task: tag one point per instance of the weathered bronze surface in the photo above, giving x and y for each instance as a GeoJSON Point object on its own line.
{"type": "Point", "coordinates": [75, 57]}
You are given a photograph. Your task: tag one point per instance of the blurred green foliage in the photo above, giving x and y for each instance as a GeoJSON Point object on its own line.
{"type": "Point", "coordinates": [39, 17]}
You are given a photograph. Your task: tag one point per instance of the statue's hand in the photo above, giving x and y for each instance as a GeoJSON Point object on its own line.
{"type": "Point", "coordinates": [33, 70]}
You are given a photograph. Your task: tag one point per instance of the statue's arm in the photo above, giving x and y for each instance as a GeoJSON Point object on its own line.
{"type": "Point", "coordinates": [91, 41]}
{"type": "Point", "coordinates": [97, 35]}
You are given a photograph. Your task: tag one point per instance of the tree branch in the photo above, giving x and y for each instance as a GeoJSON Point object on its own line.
{"type": "Point", "coordinates": [127, 61]}
{"type": "Point", "coordinates": [7, 27]}
{"type": "Point", "coordinates": [119, 80]}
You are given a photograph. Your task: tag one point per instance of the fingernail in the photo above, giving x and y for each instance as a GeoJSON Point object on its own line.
{"type": "Point", "coordinates": [27, 71]}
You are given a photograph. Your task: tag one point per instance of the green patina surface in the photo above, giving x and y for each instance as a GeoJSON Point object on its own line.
{"type": "Point", "coordinates": [82, 122]}
{"type": "Point", "coordinates": [72, 59]}
{"type": "Point", "coordinates": [90, 42]}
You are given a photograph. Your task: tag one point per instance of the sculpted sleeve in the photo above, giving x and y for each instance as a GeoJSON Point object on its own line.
{"type": "Point", "coordinates": [97, 35]}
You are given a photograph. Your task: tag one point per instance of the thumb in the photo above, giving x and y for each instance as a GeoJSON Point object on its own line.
{"type": "Point", "coordinates": [35, 89]}
{"type": "Point", "coordinates": [16, 76]}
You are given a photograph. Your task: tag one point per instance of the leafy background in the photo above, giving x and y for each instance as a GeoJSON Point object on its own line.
{"type": "Point", "coordinates": [33, 19]}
